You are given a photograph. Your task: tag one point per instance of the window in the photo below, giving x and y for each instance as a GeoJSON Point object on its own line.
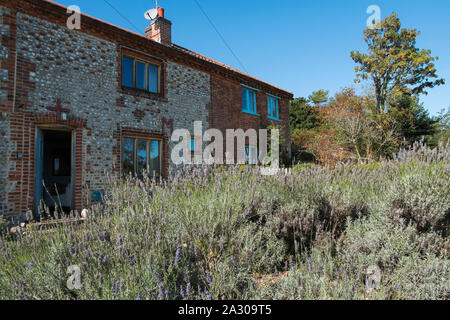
{"type": "Point", "coordinates": [251, 154]}
{"type": "Point", "coordinates": [140, 75]}
{"type": "Point", "coordinates": [248, 100]}
{"type": "Point", "coordinates": [192, 145]}
{"type": "Point", "coordinates": [141, 154]}
{"type": "Point", "coordinates": [272, 107]}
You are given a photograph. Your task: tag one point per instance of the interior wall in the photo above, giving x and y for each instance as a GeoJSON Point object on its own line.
{"type": "Point", "coordinates": [57, 164]}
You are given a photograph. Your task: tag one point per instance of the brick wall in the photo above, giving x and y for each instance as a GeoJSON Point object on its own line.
{"type": "Point", "coordinates": [225, 111]}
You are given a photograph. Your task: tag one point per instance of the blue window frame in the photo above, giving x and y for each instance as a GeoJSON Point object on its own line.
{"type": "Point", "coordinates": [248, 100]}
{"type": "Point", "coordinates": [272, 107]}
{"type": "Point", "coordinates": [140, 75]}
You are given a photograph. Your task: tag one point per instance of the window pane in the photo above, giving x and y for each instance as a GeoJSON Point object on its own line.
{"type": "Point", "coordinates": [273, 107]}
{"type": "Point", "coordinates": [192, 145]}
{"type": "Point", "coordinates": [252, 106]}
{"type": "Point", "coordinates": [155, 158]}
{"type": "Point", "coordinates": [152, 78]}
{"type": "Point", "coordinates": [140, 75]}
{"type": "Point", "coordinates": [141, 156]}
{"type": "Point", "coordinates": [128, 156]}
{"type": "Point", "coordinates": [127, 72]}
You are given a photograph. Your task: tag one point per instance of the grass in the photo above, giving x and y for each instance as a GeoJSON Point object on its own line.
{"type": "Point", "coordinates": [231, 233]}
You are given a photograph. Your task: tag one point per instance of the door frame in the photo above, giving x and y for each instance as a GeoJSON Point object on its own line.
{"type": "Point", "coordinates": [39, 169]}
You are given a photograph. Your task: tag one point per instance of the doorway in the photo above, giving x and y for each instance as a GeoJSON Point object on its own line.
{"type": "Point", "coordinates": [54, 192]}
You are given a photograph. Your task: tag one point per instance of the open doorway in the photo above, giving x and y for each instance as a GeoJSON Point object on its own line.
{"type": "Point", "coordinates": [54, 173]}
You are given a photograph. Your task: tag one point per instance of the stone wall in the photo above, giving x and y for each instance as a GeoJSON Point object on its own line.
{"type": "Point", "coordinates": [4, 52]}
{"type": "Point", "coordinates": [82, 71]}
{"type": "Point", "coordinates": [5, 148]}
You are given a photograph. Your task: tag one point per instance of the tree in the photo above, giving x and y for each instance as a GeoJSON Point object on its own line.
{"type": "Point", "coordinates": [394, 64]}
{"type": "Point", "coordinates": [302, 115]}
{"type": "Point", "coordinates": [360, 131]}
{"type": "Point", "coordinates": [442, 127]}
{"type": "Point", "coordinates": [319, 97]}
{"type": "Point", "coordinates": [413, 122]}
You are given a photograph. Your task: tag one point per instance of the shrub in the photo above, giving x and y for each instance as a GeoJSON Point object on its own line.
{"type": "Point", "coordinates": [232, 233]}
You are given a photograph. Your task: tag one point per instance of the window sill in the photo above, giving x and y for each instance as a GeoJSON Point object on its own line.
{"type": "Point", "coordinates": [143, 93]}
{"type": "Point", "coordinates": [275, 119]}
{"type": "Point", "coordinates": [252, 113]}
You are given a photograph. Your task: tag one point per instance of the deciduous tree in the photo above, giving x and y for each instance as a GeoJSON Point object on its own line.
{"type": "Point", "coordinates": [394, 64]}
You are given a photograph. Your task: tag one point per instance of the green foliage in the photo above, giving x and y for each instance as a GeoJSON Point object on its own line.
{"type": "Point", "coordinates": [412, 121]}
{"type": "Point", "coordinates": [302, 115]}
{"type": "Point", "coordinates": [394, 64]}
{"type": "Point", "coordinates": [442, 128]}
{"type": "Point", "coordinates": [3, 226]}
{"type": "Point", "coordinates": [319, 97]}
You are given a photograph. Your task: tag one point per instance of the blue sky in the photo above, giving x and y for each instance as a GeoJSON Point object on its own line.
{"type": "Point", "coordinates": [298, 45]}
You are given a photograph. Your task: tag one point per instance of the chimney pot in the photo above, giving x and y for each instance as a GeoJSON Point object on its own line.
{"type": "Point", "coordinates": [161, 12]}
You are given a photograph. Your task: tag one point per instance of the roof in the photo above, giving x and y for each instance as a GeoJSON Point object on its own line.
{"type": "Point", "coordinates": [200, 56]}
{"type": "Point", "coordinates": [182, 50]}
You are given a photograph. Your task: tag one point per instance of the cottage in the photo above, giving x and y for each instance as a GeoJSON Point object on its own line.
{"type": "Point", "coordinates": [78, 104]}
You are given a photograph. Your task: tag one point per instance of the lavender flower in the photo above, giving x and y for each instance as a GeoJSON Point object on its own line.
{"type": "Point", "coordinates": [105, 261]}
{"type": "Point", "coordinates": [195, 251]}
{"type": "Point", "coordinates": [182, 294]}
{"type": "Point", "coordinates": [188, 289]}
{"type": "Point", "coordinates": [177, 254]}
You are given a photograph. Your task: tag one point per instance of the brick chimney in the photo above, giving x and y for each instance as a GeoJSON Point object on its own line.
{"type": "Point", "coordinates": [160, 29]}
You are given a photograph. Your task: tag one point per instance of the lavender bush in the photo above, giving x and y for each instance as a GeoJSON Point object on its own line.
{"type": "Point", "coordinates": [231, 233]}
